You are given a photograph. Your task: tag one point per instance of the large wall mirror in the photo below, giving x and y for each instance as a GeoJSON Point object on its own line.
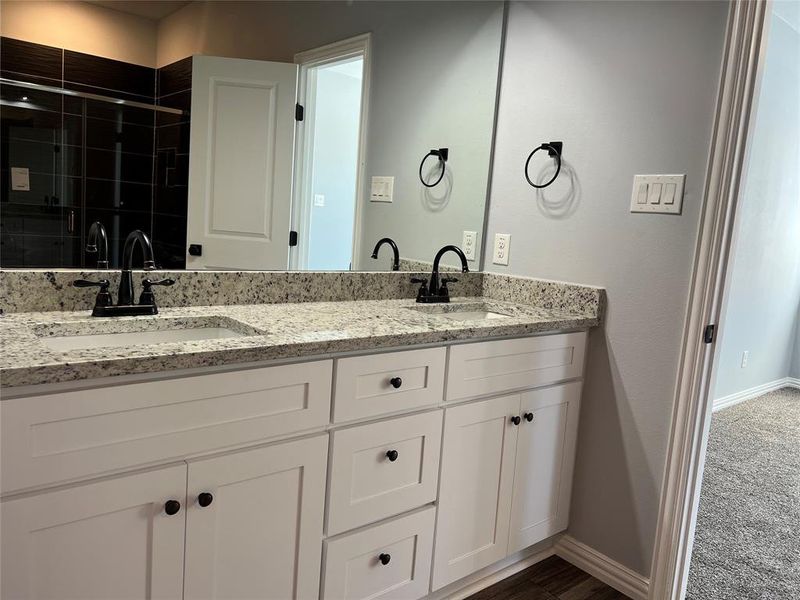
{"type": "Point", "coordinates": [247, 135]}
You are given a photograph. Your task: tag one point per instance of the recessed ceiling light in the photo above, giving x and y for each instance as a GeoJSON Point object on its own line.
{"type": "Point", "coordinates": [24, 98]}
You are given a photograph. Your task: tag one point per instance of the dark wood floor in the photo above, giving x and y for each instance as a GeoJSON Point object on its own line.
{"type": "Point", "coordinates": [551, 579]}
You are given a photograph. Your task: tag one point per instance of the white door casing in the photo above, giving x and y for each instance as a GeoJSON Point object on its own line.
{"type": "Point", "coordinates": [240, 165]}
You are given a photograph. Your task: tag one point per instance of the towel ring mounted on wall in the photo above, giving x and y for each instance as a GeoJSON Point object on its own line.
{"type": "Point", "coordinates": [553, 149]}
{"type": "Point", "coordinates": [441, 154]}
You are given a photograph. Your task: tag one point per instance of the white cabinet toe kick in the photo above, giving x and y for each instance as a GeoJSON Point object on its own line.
{"type": "Point", "coordinates": [389, 475]}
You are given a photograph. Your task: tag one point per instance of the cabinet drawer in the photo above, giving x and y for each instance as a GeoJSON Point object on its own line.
{"type": "Point", "coordinates": [354, 563]}
{"type": "Point", "coordinates": [486, 368]}
{"type": "Point", "coordinates": [383, 469]}
{"type": "Point", "coordinates": [64, 436]}
{"type": "Point", "coordinates": [367, 386]}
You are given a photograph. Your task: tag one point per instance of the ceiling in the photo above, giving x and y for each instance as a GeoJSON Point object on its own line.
{"type": "Point", "coordinates": [149, 9]}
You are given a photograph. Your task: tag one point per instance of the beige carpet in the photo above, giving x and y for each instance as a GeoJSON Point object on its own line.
{"type": "Point", "coordinates": [747, 543]}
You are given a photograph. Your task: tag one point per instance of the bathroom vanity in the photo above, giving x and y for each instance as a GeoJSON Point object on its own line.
{"type": "Point", "coordinates": [347, 449]}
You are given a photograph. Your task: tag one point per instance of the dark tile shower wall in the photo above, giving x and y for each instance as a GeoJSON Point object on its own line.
{"type": "Point", "coordinates": [173, 89]}
{"type": "Point", "coordinates": [91, 160]}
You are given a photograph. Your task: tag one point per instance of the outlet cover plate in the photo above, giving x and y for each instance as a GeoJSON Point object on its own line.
{"type": "Point", "coordinates": [502, 247]}
{"type": "Point", "coordinates": [468, 242]}
{"type": "Point", "coordinates": [381, 189]}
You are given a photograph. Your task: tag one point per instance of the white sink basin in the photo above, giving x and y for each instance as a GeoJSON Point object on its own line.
{"type": "Point", "coordinates": [66, 337]}
{"type": "Point", "coordinates": [462, 311]}
{"type": "Point", "coordinates": [472, 315]}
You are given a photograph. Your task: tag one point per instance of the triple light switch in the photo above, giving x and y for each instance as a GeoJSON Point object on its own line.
{"type": "Point", "coordinates": [657, 194]}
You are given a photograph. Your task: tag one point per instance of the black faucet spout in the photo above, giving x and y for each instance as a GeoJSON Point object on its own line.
{"type": "Point", "coordinates": [137, 236]}
{"type": "Point", "coordinates": [395, 251]}
{"type": "Point", "coordinates": [97, 242]}
{"type": "Point", "coordinates": [433, 287]}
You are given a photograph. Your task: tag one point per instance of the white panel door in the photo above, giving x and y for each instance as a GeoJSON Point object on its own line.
{"type": "Point", "coordinates": [240, 165]}
{"type": "Point", "coordinates": [259, 534]}
{"type": "Point", "coordinates": [477, 475]}
{"type": "Point", "coordinates": [100, 541]}
{"type": "Point", "coordinates": [545, 459]}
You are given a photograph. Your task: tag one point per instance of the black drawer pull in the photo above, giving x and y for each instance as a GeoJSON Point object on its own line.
{"type": "Point", "coordinates": [515, 420]}
{"type": "Point", "coordinates": [528, 417]}
{"type": "Point", "coordinates": [204, 499]}
{"type": "Point", "coordinates": [396, 382]}
{"type": "Point", "coordinates": [171, 507]}
{"type": "Point", "coordinates": [384, 558]}
{"type": "Point", "coordinates": [392, 455]}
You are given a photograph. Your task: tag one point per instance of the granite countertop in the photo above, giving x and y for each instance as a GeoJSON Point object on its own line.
{"type": "Point", "coordinates": [274, 331]}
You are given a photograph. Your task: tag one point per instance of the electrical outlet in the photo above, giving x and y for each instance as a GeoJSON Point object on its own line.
{"type": "Point", "coordinates": [502, 246]}
{"type": "Point", "coordinates": [745, 356]}
{"type": "Point", "coordinates": [468, 243]}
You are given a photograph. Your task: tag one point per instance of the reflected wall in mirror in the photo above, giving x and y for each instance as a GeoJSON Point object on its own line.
{"type": "Point", "coordinates": [247, 135]}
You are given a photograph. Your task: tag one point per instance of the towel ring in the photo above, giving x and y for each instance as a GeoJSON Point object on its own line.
{"type": "Point", "coordinates": [441, 154]}
{"type": "Point", "coordinates": [553, 149]}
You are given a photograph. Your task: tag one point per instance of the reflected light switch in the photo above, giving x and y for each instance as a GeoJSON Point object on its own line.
{"type": "Point", "coordinates": [657, 194]}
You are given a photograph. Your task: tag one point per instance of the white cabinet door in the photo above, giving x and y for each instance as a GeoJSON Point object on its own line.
{"type": "Point", "coordinates": [476, 484]}
{"type": "Point", "coordinates": [261, 534]}
{"type": "Point", "coordinates": [240, 167]}
{"type": "Point", "coordinates": [103, 541]}
{"type": "Point", "coordinates": [545, 459]}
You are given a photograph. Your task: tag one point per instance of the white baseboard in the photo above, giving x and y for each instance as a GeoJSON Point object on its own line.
{"type": "Point", "coordinates": [754, 392]}
{"type": "Point", "coordinates": [610, 572]}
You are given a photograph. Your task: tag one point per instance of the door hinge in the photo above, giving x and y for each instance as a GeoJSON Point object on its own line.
{"type": "Point", "coordinates": [708, 335]}
{"type": "Point", "coordinates": [292, 238]}
{"type": "Point", "coordinates": [299, 112]}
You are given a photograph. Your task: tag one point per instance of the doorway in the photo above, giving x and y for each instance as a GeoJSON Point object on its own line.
{"type": "Point", "coordinates": [333, 85]}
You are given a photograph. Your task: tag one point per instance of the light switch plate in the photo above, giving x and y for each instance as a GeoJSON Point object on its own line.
{"type": "Point", "coordinates": [381, 189]}
{"type": "Point", "coordinates": [502, 246]}
{"type": "Point", "coordinates": [468, 243]}
{"type": "Point", "coordinates": [319, 199]}
{"type": "Point", "coordinates": [657, 194]}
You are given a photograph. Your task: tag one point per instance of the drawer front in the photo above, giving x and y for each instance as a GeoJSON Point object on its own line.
{"type": "Point", "coordinates": [64, 436]}
{"type": "Point", "coordinates": [354, 569]}
{"type": "Point", "coordinates": [367, 386]}
{"type": "Point", "coordinates": [383, 469]}
{"type": "Point", "coordinates": [485, 368]}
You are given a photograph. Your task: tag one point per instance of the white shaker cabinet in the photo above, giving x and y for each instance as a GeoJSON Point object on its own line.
{"type": "Point", "coordinates": [544, 461]}
{"type": "Point", "coordinates": [254, 523]}
{"type": "Point", "coordinates": [475, 487]}
{"type": "Point", "coordinates": [99, 541]}
{"type": "Point", "coordinates": [506, 477]}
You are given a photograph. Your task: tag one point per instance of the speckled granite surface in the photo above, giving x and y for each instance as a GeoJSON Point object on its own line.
{"type": "Point", "coordinates": [286, 330]}
{"type": "Point", "coordinates": [42, 290]}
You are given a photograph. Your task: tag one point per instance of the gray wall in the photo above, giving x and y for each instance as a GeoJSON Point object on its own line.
{"type": "Point", "coordinates": [434, 84]}
{"type": "Point", "coordinates": [630, 87]}
{"type": "Point", "coordinates": [764, 281]}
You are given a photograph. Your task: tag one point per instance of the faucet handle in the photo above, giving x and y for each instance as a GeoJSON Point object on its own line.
{"type": "Point", "coordinates": [147, 297]}
{"type": "Point", "coordinates": [103, 297]}
{"type": "Point", "coordinates": [421, 280]}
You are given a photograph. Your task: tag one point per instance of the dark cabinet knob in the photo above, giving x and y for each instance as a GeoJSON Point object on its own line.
{"type": "Point", "coordinates": [528, 417]}
{"type": "Point", "coordinates": [396, 382]}
{"type": "Point", "coordinates": [384, 558]}
{"type": "Point", "coordinates": [204, 499]}
{"type": "Point", "coordinates": [171, 507]}
{"type": "Point", "coordinates": [515, 420]}
{"type": "Point", "coordinates": [392, 455]}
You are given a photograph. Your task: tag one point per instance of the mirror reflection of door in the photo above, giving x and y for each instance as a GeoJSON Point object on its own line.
{"type": "Point", "coordinates": [329, 159]}
{"type": "Point", "coordinates": [240, 169]}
